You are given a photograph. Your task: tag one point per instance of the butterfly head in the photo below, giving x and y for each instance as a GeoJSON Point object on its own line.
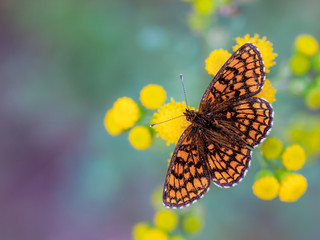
{"type": "Point", "coordinates": [190, 114]}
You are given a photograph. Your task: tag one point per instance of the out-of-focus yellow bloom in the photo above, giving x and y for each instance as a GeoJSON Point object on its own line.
{"type": "Point", "coordinates": [271, 148]}
{"type": "Point", "coordinates": [292, 187]}
{"type": "Point", "coordinates": [266, 186]}
{"type": "Point", "coordinates": [110, 124]}
{"type": "Point", "coordinates": [299, 64]}
{"type": "Point", "coordinates": [125, 112]}
{"type": "Point", "coordinates": [267, 92]}
{"type": "Point", "coordinates": [140, 137]}
{"type": "Point", "coordinates": [155, 234]}
{"type": "Point", "coordinates": [192, 223]}
{"type": "Point", "coordinates": [139, 230]}
{"type": "Point", "coordinates": [171, 130]}
{"type": "Point", "coordinates": [294, 157]}
{"type": "Point", "coordinates": [177, 237]}
{"type": "Point", "coordinates": [312, 97]}
{"type": "Point", "coordinates": [204, 7]}
{"type": "Point", "coordinates": [166, 220]}
{"type": "Point", "coordinates": [216, 60]}
{"type": "Point", "coordinates": [152, 96]}
{"type": "Point", "coordinates": [264, 46]}
{"type": "Point", "coordinates": [307, 45]}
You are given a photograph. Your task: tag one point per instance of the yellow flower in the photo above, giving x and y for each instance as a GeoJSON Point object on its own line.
{"type": "Point", "coordinates": [307, 45]}
{"type": "Point", "coordinates": [294, 157]}
{"type": "Point", "coordinates": [299, 64]}
{"type": "Point", "coordinates": [177, 237]}
{"type": "Point", "coordinates": [140, 137]}
{"type": "Point", "coordinates": [264, 46]}
{"type": "Point", "coordinates": [155, 234]}
{"type": "Point", "coordinates": [139, 230]}
{"type": "Point", "coordinates": [152, 96]}
{"type": "Point", "coordinates": [171, 130]}
{"type": "Point", "coordinates": [292, 187]}
{"type": "Point", "coordinates": [110, 124]}
{"type": "Point", "coordinates": [125, 112]}
{"type": "Point", "coordinates": [312, 97]}
{"type": "Point", "coordinates": [216, 60]}
{"type": "Point", "coordinates": [271, 148]}
{"type": "Point", "coordinates": [166, 220]}
{"type": "Point", "coordinates": [267, 92]}
{"type": "Point", "coordinates": [266, 188]}
{"type": "Point", "coordinates": [192, 223]}
{"type": "Point", "coordinates": [204, 7]}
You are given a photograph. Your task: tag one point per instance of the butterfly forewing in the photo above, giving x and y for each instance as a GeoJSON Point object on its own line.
{"type": "Point", "coordinates": [187, 178]}
{"type": "Point", "coordinates": [242, 76]}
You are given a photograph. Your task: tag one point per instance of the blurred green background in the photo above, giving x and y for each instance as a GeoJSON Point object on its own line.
{"type": "Point", "coordinates": [63, 63]}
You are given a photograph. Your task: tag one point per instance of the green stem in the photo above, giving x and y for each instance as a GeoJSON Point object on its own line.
{"type": "Point", "coordinates": [272, 164]}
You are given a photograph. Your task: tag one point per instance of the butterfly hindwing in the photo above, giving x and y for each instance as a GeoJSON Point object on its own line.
{"type": "Point", "coordinates": [187, 178]}
{"type": "Point", "coordinates": [242, 76]}
{"type": "Point", "coordinates": [253, 118]}
{"type": "Point", "coordinates": [227, 164]}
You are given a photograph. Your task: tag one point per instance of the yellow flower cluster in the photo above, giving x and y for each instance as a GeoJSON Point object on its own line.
{"type": "Point", "coordinates": [289, 186]}
{"type": "Point", "coordinates": [125, 113]}
{"type": "Point", "coordinates": [171, 130]}
{"type": "Point", "coordinates": [305, 63]}
{"type": "Point", "coordinates": [264, 46]}
{"type": "Point", "coordinates": [217, 58]}
{"type": "Point", "coordinates": [122, 116]}
{"type": "Point", "coordinates": [167, 222]}
{"type": "Point", "coordinates": [306, 46]}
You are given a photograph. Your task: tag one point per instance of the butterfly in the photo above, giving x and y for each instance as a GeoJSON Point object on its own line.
{"type": "Point", "coordinates": [218, 143]}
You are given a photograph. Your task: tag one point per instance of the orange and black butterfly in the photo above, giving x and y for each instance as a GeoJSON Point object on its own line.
{"type": "Point", "coordinates": [229, 123]}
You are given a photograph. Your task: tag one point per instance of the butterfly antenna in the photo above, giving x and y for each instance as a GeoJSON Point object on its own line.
{"type": "Point", "coordinates": [152, 125]}
{"type": "Point", "coordinates": [184, 90]}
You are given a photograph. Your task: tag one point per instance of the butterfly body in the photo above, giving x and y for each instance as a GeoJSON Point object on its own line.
{"type": "Point", "coordinates": [199, 119]}
{"type": "Point", "coordinates": [229, 123]}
